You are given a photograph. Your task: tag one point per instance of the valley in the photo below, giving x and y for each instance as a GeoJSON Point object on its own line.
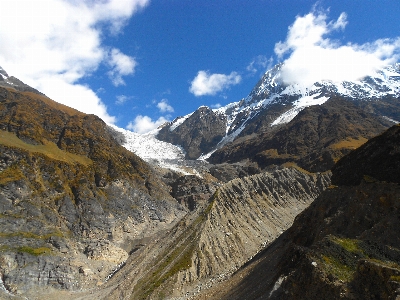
{"type": "Point", "coordinates": [289, 193]}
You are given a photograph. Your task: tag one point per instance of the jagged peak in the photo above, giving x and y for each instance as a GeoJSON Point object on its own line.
{"type": "Point", "coordinates": [3, 73]}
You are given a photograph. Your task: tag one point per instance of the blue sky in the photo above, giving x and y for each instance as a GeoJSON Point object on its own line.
{"type": "Point", "coordinates": [138, 63]}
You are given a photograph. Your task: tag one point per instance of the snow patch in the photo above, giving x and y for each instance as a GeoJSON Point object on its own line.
{"type": "Point", "coordinates": [179, 122]}
{"type": "Point", "coordinates": [156, 152]}
{"type": "Point", "coordinates": [299, 105]}
{"type": "Point", "coordinates": [277, 285]}
{"type": "Point", "coordinates": [391, 120]}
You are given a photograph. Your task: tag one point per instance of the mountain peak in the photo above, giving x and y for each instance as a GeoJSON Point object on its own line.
{"type": "Point", "coordinates": [273, 102]}
{"type": "Point", "coordinates": [3, 74]}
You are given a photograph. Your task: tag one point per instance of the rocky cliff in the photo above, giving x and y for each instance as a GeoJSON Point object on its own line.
{"type": "Point", "coordinates": [198, 134]}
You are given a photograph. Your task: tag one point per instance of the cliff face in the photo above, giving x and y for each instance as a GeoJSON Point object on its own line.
{"type": "Point", "coordinates": [198, 134]}
{"type": "Point", "coordinates": [72, 201]}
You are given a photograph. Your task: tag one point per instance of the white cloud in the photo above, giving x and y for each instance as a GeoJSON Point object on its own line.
{"type": "Point", "coordinates": [52, 44]}
{"type": "Point", "coordinates": [121, 99]}
{"type": "Point", "coordinates": [163, 106]}
{"type": "Point", "coordinates": [210, 84]}
{"type": "Point", "coordinates": [217, 105]}
{"type": "Point", "coordinates": [259, 62]}
{"type": "Point", "coordinates": [313, 57]}
{"type": "Point", "coordinates": [144, 124]}
{"type": "Point", "coordinates": [121, 65]}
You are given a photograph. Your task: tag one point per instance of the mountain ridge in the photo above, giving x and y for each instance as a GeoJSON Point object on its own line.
{"type": "Point", "coordinates": [272, 103]}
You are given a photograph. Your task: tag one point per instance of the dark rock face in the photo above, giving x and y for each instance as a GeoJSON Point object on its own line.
{"type": "Point", "coordinates": [353, 252]}
{"type": "Point", "coordinates": [191, 191]}
{"type": "Point", "coordinates": [378, 159]}
{"type": "Point", "coordinates": [198, 134]}
{"type": "Point", "coordinates": [227, 172]}
{"type": "Point", "coordinates": [315, 139]}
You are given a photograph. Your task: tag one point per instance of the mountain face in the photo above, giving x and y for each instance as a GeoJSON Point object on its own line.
{"type": "Point", "coordinates": [315, 138]}
{"type": "Point", "coordinates": [209, 244]}
{"type": "Point", "coordinates": [73, 202]}
{"type": "Point", "coordinates": [197, 134]}
{"type": "Point", "coordinates": [345, 245]}
{"type": "Point", "coordinates": [272, 105]}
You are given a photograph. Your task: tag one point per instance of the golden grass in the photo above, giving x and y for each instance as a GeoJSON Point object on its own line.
{"type": "Point", "coordinates": [349, 143]}
{"type": "Point", "coordinates": [49, 149]}
{"type": "Point", "coordinates": [295, 166]}
{"type": "Point", "coordinates": [69, 110]}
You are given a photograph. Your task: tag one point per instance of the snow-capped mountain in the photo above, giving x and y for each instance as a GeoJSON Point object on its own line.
{"type": "Point", "coordinates": [3, 75]}
{"type": "Point", "coordinates": [272, 103]}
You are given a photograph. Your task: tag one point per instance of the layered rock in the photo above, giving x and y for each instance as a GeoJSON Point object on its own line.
{"type": "Point", "coordinates": [244, 216]}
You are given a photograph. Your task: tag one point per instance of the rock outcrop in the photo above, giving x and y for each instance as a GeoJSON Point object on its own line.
{"type": "Point", "coordinates": [198, 134]}
{"type": "Point", "coordinates": [379, 159]}
{"type": "Point", "coordinates": [192, 191]}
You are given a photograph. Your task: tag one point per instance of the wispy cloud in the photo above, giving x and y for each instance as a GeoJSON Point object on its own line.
{"type": "Point", "coordinates": [259, 63]}
{"type": "Point", "coordinates": [210, 84]}
{"type": "Point", "coordinates": [121, 65]}
{"type": "Point", "coordinates": [217, 105]}
{"type": "Point", "coordinates": [121, 99]}
{"type": "Point", "coordinates": [144, 124]}
{"type": "Point", "coordinates": [52, 44]}
{"type": "Point", "coordinates": [163, 106]}
{"type": "Point", "coordinates": [310, 56]}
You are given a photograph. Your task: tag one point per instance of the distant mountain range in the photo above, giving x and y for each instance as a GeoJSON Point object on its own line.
{"type": "Point", "coordinates": [221, 135]}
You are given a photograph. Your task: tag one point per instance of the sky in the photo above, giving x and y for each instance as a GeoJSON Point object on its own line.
{"type": "Point", "coordinates": [140, 63]}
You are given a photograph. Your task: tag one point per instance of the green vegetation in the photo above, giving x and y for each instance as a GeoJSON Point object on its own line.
{"type": "Point", "coordinates": [340, 256]}
{"type": "Point", "coordinates": [27, 249]}
{"type": "Point", "coordinates": [338, 269]}
{"type": "Point", "coordinates": [30, 235]}
{"type": "Point", "coordinates": [349, 245]}
{"type": "Point", "coordinates": [35, 251]}
{"type": "Point", "coordinates": [11, 174]}
{"type": "Point", "coordinates": [295, 166]}
{"type": "Point", "coordinates": [48, 148]}
{"type": "Point", "coordinates": [177, 257]}
{"type": "Point", "coordinates": [395, 278]}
